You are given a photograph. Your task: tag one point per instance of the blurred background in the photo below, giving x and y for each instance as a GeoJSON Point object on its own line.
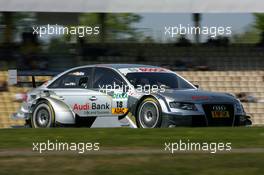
{"type": "Point", "coordinates": [233, 63]}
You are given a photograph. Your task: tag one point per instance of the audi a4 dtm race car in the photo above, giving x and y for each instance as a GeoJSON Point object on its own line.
{"type": "Point", "coordinates": [155, 96]}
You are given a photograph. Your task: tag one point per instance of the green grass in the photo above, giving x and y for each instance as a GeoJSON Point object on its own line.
{"type": "Point", "coordinates": [202, 164]}
{"type": "Point", "coordinates": [132, 139]}
{"type": "Point", "coordinates": [125, 137]}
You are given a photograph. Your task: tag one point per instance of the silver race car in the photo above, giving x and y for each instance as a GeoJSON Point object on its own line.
{"type": "Point", "coordinates": [155, 96]}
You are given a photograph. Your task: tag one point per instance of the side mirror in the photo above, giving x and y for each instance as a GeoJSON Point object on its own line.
{"type": "Point", "coordinates": [197, 86]}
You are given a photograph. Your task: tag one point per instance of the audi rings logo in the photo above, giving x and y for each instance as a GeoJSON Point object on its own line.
{"type": "Point", "coordinates": [219, 108]}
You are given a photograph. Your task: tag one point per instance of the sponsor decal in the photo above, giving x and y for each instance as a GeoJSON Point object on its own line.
{"type": "Point", "coordinates": [130, 92]}
{"type": "Point", "coordinates": [145, 69]}
{"type": "Point", "coordinates": [120, 95]}
{"type": "Point", "coordinates": [93, 106]}
{"type": "Point", "coordinates": [70, 84]}
{"type": "Point", "coordinates": [142, 69]}
{"type": "Point", "coordinates": [200, 97]}
{"type": "Point", "coordinates": [78, 107]}
{"type": "Point", "coordinates": [100, 106]}
{"type": "Point", "coordinates": [119, 110]}
{"type": "Point", "coordinates": [77, 73]}
{"type": "Point", "coordinates": [99, 112]}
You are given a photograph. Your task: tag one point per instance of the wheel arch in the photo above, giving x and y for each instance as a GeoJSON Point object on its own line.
{"type": "Point", "coordinates": [63, 113]}
{"type": "Point", "coordinates": [160, 99]}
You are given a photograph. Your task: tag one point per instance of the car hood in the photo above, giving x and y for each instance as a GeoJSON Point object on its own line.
{"type": "Point", "coordinates": [197, 96]}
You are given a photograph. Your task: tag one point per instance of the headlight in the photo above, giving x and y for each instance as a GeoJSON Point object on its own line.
{"type": "Point", "coordinates": [183, 106]}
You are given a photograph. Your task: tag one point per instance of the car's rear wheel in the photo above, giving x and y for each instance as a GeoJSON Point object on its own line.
{"type": "Point", "coordinates": [43, 115]}
{"type": "Point", "coordinates": [149, 114]}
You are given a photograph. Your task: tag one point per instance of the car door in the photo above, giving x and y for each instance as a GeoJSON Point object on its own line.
{"type": "Point", "coordinates": [111, 87]}
{"type": "Point", "coordinates": [73, 89]}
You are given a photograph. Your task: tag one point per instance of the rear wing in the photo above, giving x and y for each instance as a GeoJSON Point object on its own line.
{"type": "Point", "coordinates": [13, 75]}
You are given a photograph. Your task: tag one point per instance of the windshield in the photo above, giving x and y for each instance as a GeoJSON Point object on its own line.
{"type": "Point", "coordinates": [168, 80]}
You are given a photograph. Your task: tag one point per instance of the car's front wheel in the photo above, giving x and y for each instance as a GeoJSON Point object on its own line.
{"type": "Point", "coordinates": [43, 115]}
{"type": "Point", "coordinates": [149, 114]}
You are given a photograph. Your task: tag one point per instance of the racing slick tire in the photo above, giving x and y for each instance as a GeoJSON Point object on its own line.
{"type": "Point", "coordinates": [149, 114]}
{"type": "Point", "coordinates": [43, 115]}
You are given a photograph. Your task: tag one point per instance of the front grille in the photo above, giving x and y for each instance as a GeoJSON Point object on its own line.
{"type": "Point", "coordinates": [219, 121]}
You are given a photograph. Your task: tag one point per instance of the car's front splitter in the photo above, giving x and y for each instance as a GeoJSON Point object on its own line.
{"type": "Point", "coordinates": [170, 120]}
